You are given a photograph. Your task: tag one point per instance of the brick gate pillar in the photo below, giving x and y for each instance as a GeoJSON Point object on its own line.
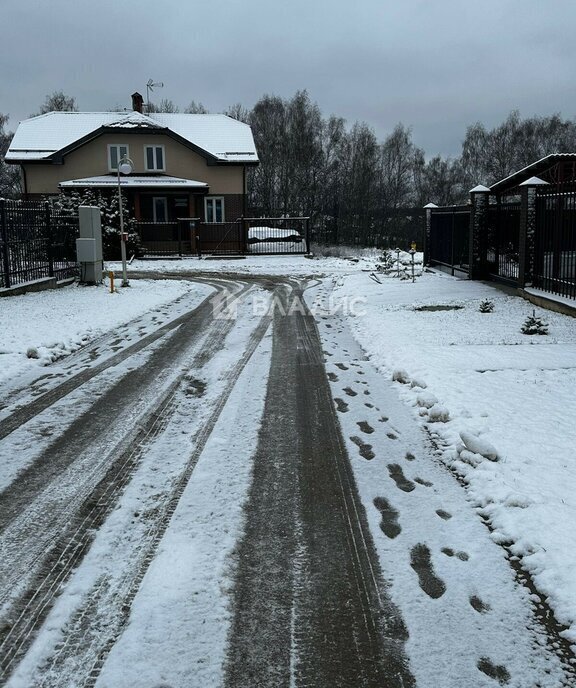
{"type": "Point", "coordinates": [527, 230]}
{"type": "Point", "coordinates": [428, 231]}
{"type": "Point", "coordinates": [479, 199]}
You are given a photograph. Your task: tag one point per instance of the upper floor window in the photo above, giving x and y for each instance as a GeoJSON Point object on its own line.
{"type": "Point", "coordinates": [154, 158]}
{"type": "Point", "coordinates": [116, 153]}
{"type": "Point", "coordinates": [214, 208]}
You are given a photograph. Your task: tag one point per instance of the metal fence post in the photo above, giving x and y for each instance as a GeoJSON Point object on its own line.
{"type": "Point", "coordinates": [4, 240]}
{"type": "Point", "coordinates": [452, 241]}
{"type": "Point", "coordinates": [307, 233]}
{"type": "Point", "coordinates": [49, 240]}
{"type": "Point", "coordinates": [244, 234]}
{"type": "Point", "coordinates": [179, 230]}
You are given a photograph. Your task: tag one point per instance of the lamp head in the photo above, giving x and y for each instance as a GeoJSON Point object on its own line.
{"type": "Point", "coordinates": [125, 167]}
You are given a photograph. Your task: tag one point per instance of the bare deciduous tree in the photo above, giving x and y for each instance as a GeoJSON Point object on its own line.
{"type": "Point", "coordinates": [58, 101]}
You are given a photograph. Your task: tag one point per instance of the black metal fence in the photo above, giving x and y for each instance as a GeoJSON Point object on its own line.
{"type": "Point", "coordinates": [36, 242]}
{"type": "Point", "coordinates": [247, 235]}
{"type": "Point", "coordinates": [554, 267]}
{"type": "Point", "coordinates": [165, 238]}
{"type": "Point", "coordinates": [503, 241]}
{"type": "Point", "coordinates": [449, 238]}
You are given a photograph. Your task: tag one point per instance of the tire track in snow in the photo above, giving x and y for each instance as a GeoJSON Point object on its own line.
{"type": "Point", "coordinates": [92, 632]}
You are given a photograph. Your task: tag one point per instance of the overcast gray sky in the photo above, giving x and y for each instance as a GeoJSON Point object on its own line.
{"type": "Point", "coordinates": [435, 65]}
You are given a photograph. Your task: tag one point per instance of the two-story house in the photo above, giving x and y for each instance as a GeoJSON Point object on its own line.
{"type": "Point", "coordinates": [184, 165]}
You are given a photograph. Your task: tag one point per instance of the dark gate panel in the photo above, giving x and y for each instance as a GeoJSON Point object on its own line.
{"type": "Point", "coordinates": [503, 241]}
{"type": "Point", "coordinates": [555, 243]}
{"type": "Point", "coordinates": [221, 238]}
{"type": "Point", "coordinates": [450, 237]}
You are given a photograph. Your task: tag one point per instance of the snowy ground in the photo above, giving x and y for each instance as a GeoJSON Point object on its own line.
{"type": "Point", "coordinates": [40, 327]}
{"type": "Point", "coordinates": [457, 370]}
{"type": "Point", "coordinates": [513, 391]}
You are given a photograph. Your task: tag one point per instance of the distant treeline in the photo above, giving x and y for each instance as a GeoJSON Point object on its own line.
{"type": "Point", "coordinates": [356, 188]}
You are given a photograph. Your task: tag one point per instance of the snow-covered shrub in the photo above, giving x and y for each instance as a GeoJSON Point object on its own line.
{"type": "Point", "coordinates": [386, 262]}
{"type": "Point", "coordinates": [486, 306]}
{"type": "Point", "coordinates": [477, 445]}
{"type": "Point", "coordinates": [534, 325]}
{"type": "Point", "coordinates": [426, 400]}
{"type": "Point", "coordinates": [401, 376]}
{"type": "Point", "coordinates": [438, 414]}
{"type": "Point", "coordinates": [67, 202]}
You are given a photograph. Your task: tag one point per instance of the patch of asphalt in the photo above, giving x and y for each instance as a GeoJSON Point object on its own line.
{"type": "Point", "coordinates": [310, 606]}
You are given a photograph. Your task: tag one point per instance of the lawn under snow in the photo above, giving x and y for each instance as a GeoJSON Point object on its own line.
{"type": "Point", "coordinates": [474, 376]}
{"type": "Point", "coordinates": [40, 327]}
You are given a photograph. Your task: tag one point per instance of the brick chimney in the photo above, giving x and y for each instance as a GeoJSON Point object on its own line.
{"type": "Point", "coordinates": [137, 102]}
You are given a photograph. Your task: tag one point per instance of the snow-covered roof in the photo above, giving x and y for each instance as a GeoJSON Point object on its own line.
{"type": "Point", "coordinates": [223, 138]}
{"type": "Point", "coordinates": [134, 182]}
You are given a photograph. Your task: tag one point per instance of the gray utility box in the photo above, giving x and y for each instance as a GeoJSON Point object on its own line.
{"type": "Point", "coordinates": [89, 245]}
{"type": "Point", "coordinates": [90, 228]}
{"type": "Point", "coordinates": [86, 251]}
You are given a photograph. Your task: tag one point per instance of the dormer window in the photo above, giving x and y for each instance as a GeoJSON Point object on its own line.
{"type": "Point", "coordinates": [154, 158]}
{"type": "Point", "coordinates": [116, 153]}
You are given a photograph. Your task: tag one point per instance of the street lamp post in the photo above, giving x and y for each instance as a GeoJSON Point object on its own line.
{"type": "Point", "coordinates": [125, 166]}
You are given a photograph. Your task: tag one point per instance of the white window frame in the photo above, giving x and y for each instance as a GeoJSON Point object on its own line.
{"type": "Point", "coordinates": [118, 146]}
{"type": "Point", "coordinates": [155, 168]}
{"type": "Point", "coordinates": [214, 198]}
{"type": "Point", "coordinates": [160, 198]}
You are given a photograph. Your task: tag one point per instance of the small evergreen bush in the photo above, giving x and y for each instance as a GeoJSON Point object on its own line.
{"type": "Point", "coordinates": [486, 306]}
{"type": "Point", "coordinates": [534, 325]}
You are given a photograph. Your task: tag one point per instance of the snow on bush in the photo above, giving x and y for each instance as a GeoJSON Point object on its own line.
{"type": "Point", "coordinates": [426, 400]}
{"type": "Point", "coordinates": [477, 445]}
{"type": "Point", "coordinates": [438, 414]}
{"type": "Point", "coordinates": [418, 383]}
{"type": "Point", "coordinates": [401, 376]}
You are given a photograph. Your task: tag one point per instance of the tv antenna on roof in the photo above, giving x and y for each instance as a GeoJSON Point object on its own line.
{"type": "Point", "coordinates": [150, 86]}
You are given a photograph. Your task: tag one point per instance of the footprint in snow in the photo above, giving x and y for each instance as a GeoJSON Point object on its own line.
{"type": "Point", "coordinates": [443, 514]}
{"type": "Point", "coordinates": [365, 449]}
{"type": "Point", "coordinates": [420, 561]}
{"type": "Point", "coordinates": [350, 392]}
{"type": "Point", "coordinates": [399, 478]}
{"type": "Point", "coordinates": [496, 671]}
{"type": "Point", "coordinates": [389, 524]}
{"type": "Point", "coordinates": [333, 377]}
{"type": "Point", "coordinates": [449, 552]}
{"type": "Point", "coordinates": [365, 427]}
{"type": "Point", "coordinates": [421, 481]}
{"type": "Point", "coordinates": [478, 605]}
{"type": "Point", "coordinates": [342, 366]}
{"type": "Point", "coordinates": [341, 405]}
